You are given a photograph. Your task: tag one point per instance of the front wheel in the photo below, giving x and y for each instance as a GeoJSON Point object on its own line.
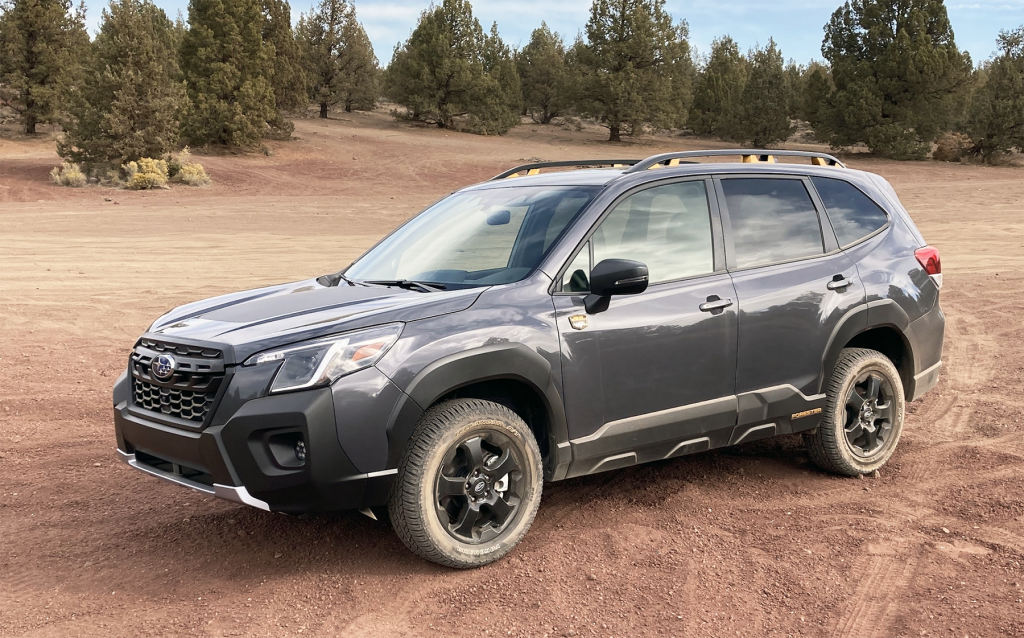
{"type": "Point", "coordinates": [863, 417]}
{"type": "Point", "coordinates": [469, 484]}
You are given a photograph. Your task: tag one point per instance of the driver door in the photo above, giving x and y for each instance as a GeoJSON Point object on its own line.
{"type": "Point", "coordinates": [653, 375]}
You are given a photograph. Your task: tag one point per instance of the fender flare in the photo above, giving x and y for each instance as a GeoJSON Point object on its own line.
{"type": "Point", "coordinates": [486, 363]}
{"type": "Point", "coordinates": [883, 313]}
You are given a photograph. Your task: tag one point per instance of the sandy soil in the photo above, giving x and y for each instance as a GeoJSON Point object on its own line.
{"type": "Point", "coordinates": [749, 541]}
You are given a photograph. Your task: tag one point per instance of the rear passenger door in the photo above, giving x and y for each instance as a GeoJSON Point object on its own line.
{"type": "Point", "coordinates": [793, 286]}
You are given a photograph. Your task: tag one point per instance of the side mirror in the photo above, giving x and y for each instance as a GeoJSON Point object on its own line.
{"type": "Point", "coordinates": [615, 277]}
{"type": "Point", "coordinates": [499, 218]}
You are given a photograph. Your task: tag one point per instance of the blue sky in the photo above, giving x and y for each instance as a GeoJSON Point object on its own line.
{"type": "Point", "coordinates": [796, 25]}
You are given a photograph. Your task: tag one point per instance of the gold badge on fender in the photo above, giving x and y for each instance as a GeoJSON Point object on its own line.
{"type": "Point", "coordinates": [579, 322]}
{"type": "Point", "coordinates": [800, 415]}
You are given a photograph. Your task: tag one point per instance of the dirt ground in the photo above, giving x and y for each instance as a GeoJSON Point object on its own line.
{"type": "Point", "coordinates": [748, 541]}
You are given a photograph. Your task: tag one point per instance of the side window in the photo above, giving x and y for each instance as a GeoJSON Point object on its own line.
{"type": "Point", "coordinates": [577, 275]}
{"type": "Point", "coordinates": [772, 220]}
{"type": "Point", "coordinates": [852, 213]}
{"type": "Point", "coordinates": [666, 227]}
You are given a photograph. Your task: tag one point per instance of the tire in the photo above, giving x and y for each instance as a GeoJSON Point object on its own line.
{"type": "Point", "coordinates": [447, 504]}
{"type": "Point", "coordinates": [861, 425]}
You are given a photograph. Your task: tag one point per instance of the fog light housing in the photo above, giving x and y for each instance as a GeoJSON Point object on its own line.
{"type": "Point", "coordinates": [300, 450]}
{"type": "Point", "coordinates": [287, 449]}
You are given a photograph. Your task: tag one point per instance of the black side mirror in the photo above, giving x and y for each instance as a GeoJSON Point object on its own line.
{"type": "Point", "coordinates": [499, 218]}
{"type": "Point", "coordinates": [615, 277]}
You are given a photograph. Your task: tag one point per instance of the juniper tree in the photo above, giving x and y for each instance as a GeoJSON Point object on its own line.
{"type": "Point", "coordinates": [288, 80]}
{"type": "Point", "coordinates": [897, 72]}
{"type": "Point", "coordinates": [338, 58]}
{"type": "Point", "coordinates": [42, 44]}
{"type": "Point", "coordinates": [996, 113]}
{"type": "Point", "coordinates": [766, 99]}
{"type": "Point", "coordinates": [128, 100]}
{"type": "Point", "coordinates": [635, 67]}
{"type": "Point", "coordinates": [547, 80]}
{"type": "Point", "coordinates": [718, 98]}
{"type": "Point", "coordinates": [228, 71]}
{"type": "Point", "coordinates": [443, 72]}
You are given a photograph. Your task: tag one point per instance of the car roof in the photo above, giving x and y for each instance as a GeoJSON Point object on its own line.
{"type": "Point", "coordinates": [605, 176]}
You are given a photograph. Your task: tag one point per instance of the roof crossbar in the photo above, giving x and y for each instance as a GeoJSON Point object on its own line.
{"type": "Point", "coordinates": [749, 156]}
{"type": "Point", "coordinates": [534, 169]}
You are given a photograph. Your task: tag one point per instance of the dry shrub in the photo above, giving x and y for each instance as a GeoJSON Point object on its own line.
{"type": "Point", "coordinates": [68, 174]}
{"type": "Point", "coordinates": [952, 147]}
{"type": "Point", "coordinates": [193, 175]}
{"type": "Point", "coordinates": [184, 170]}
{"type": "Point", "coordinates": [145, 174]}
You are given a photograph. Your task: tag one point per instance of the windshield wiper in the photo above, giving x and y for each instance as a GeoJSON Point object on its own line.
{"type": "Point", "coordinates": [408, 284]}
{"type": "Point", "coordinates": [334, 279]}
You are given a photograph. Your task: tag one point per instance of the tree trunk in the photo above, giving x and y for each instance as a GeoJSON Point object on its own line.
{"type": "Point", "coordinates": [613, 133]}
{"type": "Point", "coordinates": [348, 107]}
{"type": "Point", "coordinates": [30, 124]}
{"type": "Point", "coordinates": [323, 110]}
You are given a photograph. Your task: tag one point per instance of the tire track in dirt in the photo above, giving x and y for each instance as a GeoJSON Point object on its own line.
{"type": "Point", "coordinates": [882, 578]}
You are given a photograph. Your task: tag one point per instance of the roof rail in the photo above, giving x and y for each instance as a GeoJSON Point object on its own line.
{"type": "Point", "coordinates": [533, 169]}
{"type": "Point", "coordinates": [749, 156]}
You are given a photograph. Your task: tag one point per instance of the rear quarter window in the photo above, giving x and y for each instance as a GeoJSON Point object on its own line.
{"type": "Point", "coordinates": [852, 213]}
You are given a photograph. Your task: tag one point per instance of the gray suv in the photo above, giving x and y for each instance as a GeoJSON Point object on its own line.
{"type": "Point", "coordinates": [539, 327]}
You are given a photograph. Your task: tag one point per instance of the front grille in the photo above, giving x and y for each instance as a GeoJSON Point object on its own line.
{"type": "Point", "coordinates": [190, 393]}
{"type": "Point", "coordinates": [184, 404]}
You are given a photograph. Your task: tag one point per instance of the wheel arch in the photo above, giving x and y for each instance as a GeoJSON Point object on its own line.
{"type": "Point", "coordinates": [511, 374]}
{"type": "Point", "coordinates": [880, 326]}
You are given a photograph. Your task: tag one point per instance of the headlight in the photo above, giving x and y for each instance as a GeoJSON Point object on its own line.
{"type": "Point", "coordinates": [324, 361]}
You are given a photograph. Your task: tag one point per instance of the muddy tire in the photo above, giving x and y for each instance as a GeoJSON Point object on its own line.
{"type": "Point", "coordinates": [863, 417]}
{"type": "Point", "coordinates": [469, 484]}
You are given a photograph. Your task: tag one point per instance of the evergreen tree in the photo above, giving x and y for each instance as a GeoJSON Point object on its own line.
{"type": "Point", "coordinates": [288, 81]}
{"type": "Point", "coordinates": [443, 72]}
{"type": "Point", "coordinates": [500, 94]}
{"type": "Point", "coordinates": [229, 71]}
{"type": "Point", "coordinates": [817, 89]}
{"type": "Point", "coordinates": [339, 59]}
{"type": "Point", "coordinates": [718, 99]}
{"type": "Point", "coordinates": [897, 72]}
{"type": "Point", "coordinates": [766, 99]}
{"type": "Point", "coordinates": [42, 44]}
{"type": "Point", "coordinates": [635, 67]}
{"type": "Point", "coordinates": [996, 113]}
{"type": "Point", "coordinates": [795, 78]}
{"type": "Point", "coordinates": [127, 104]}
{"type": "Point", "coordinates": [546, 77]}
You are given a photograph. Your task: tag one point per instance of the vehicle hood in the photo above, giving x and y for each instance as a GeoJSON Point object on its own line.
{"type": "Point", "coordinates": [244, 323]}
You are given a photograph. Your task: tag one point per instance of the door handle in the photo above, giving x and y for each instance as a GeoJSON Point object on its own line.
{"type": "Point", "coordinates": [839, 282]}
{"type": "Point", "coordinates": [714, 303]}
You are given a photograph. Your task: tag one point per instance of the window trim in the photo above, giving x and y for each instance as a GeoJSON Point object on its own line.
{"type": "Point", "coordinates": [717, 240]}
{"type": "Point", "coordinates": [830, 245]}
{"type": "Point", "coordinates": [888, 217]}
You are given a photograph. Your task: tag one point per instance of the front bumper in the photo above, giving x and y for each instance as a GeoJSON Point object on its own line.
{"type": "Point", "coordinates": [241, 456]}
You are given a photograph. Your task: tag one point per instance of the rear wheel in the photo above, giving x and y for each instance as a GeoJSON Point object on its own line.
{"type": "Point", "coordinates": [469, 484]}
{"type": "Point", "coordinates": [863, 417]}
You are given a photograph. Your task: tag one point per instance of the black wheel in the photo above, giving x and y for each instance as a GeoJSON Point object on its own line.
{"type": "Point", "coordinates": [863, 416]}
{"type": "Point", "coordinates": [469, 484]}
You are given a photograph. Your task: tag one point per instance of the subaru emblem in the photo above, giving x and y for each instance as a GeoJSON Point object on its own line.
{"type": "Point", "coordinates": [163, 367]}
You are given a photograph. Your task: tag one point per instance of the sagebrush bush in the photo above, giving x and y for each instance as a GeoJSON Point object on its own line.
{"type": "Point", "coordinates": [145, 174]}
{"type": "Point", "coordinates": [68, 174]}
{"type": "Point", "coordinates": [183, 169]}
{"type": "Point", "coordinates": [952, 147]}
{"type": "Point", "coordinates": [193, 175]}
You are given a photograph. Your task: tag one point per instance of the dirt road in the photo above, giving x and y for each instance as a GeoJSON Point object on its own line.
{"type": "Point", "coordinates": [750, 541]}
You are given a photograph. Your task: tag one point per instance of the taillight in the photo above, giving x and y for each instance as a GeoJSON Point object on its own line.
{"type": "Point", "coordinates": [929, 258]}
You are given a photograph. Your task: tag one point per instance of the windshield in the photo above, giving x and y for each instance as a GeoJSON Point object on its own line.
{"type": "Point", "coordinates": [475, 238]}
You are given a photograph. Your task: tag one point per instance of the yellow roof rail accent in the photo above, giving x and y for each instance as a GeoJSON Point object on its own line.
{"type": "Point", "coordinates": [755, 159]}
{"type": "Point", "coordinates": [672, 162]}
{"type": "Point", "coordinates": [821, 161]}
{"type": "Point", "coordinates": [533, 171]}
